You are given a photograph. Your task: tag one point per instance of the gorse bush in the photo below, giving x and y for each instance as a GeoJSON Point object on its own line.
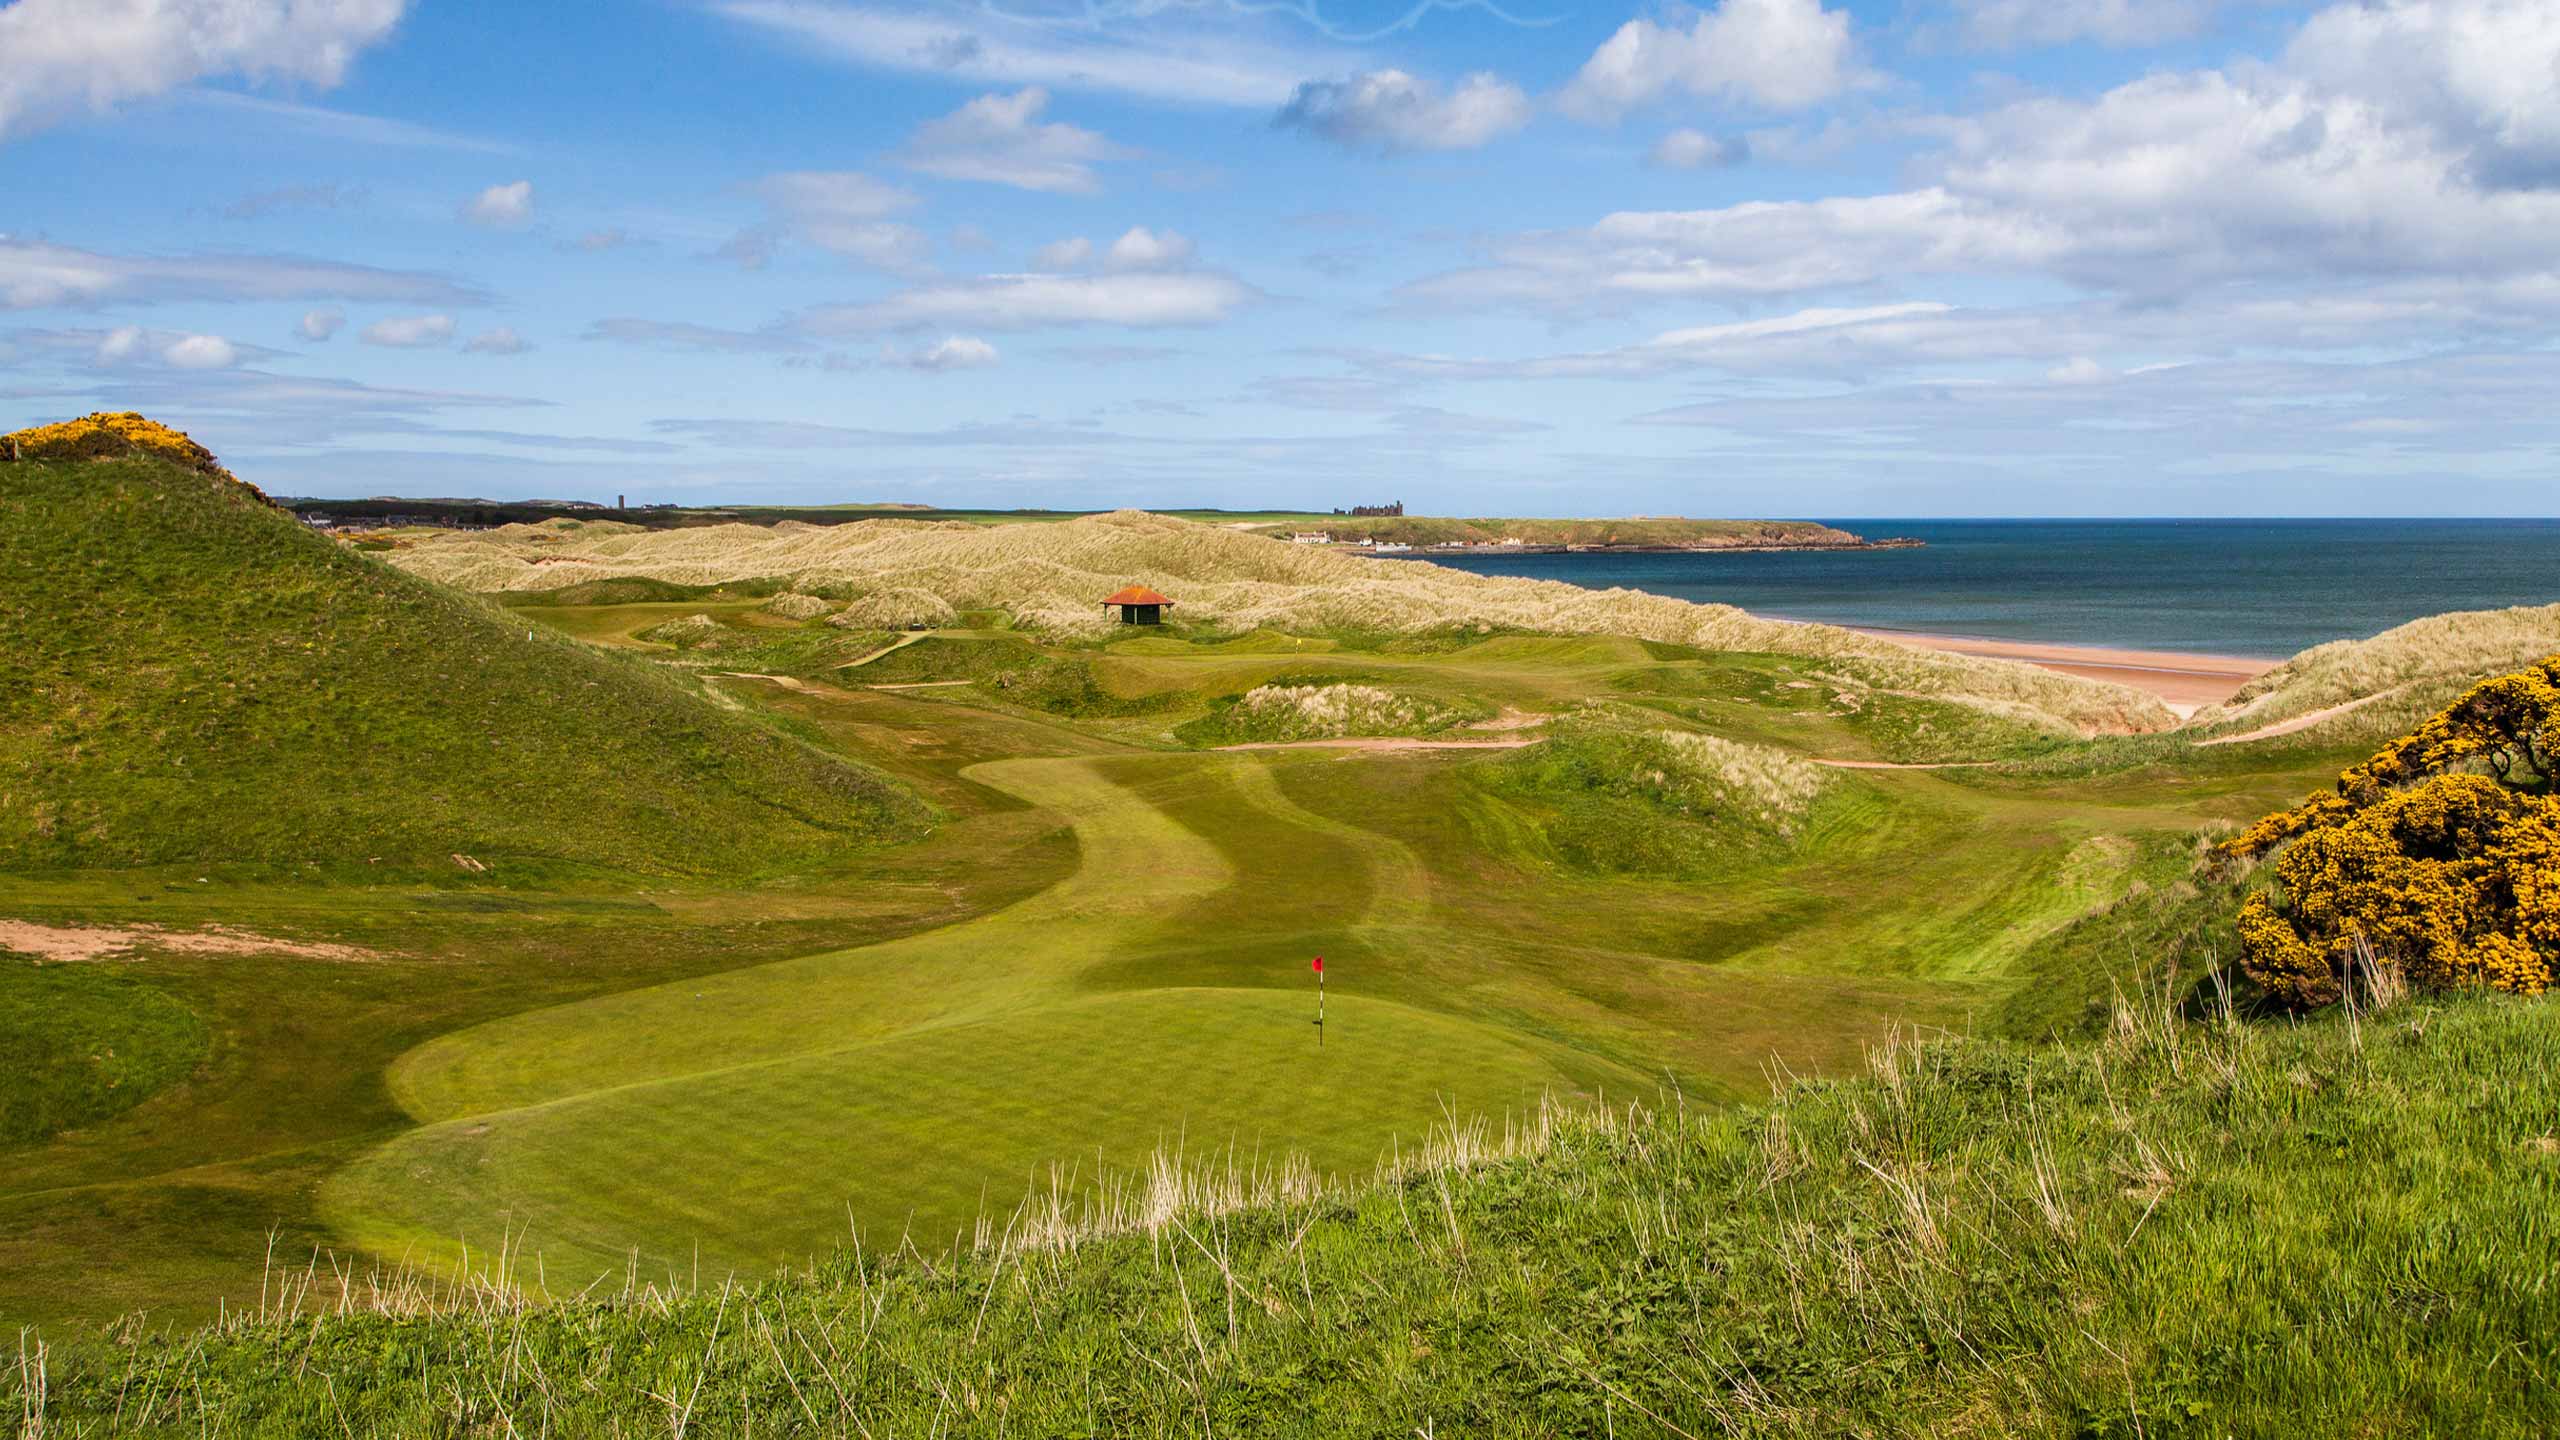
{"type": "Point", "coordinates": [2453, 876]}
{"type": "Point", "coordinates": [109, 435]}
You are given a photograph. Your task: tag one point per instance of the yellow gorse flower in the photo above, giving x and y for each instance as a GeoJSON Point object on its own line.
{"type": "Point", "coordinates": [2451, 874]}
{"type": "Point", "coordinates": [110, 435]}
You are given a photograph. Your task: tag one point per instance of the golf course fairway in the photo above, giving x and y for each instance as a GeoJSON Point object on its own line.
{"type": "Point", "coordinates": [916, 1086]}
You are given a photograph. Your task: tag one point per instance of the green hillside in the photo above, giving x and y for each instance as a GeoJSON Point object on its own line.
{"type": "Point", "coordinates": [188, 676]}
{"type": "Point", "coordinates": [2188, 1228]}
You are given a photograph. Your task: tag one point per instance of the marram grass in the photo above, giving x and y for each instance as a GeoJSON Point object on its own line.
{"type": "Point", "coordinates": [1053, 578]}
{"type": "Point", "coordinates": [2187, 1227]}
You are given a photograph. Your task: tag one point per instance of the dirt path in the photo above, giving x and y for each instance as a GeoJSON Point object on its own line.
{"type": "Point", "coordinates": [1903, 764]}
{"type": "Point", "coordinates": [921, 685]}
{"type": "Point", "coordinates": [2301, 722]}
{"type": "Point", "coordinates": [901, 643]}
{"type": "Point", "coordinates": [60, 944]}
{"type": "Point", "coordinates": [1386, 742]}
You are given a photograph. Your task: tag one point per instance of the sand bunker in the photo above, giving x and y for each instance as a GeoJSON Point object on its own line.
{"type": "Point", "coordinates": [60, 944]}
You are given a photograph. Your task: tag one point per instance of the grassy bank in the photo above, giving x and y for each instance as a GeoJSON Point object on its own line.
{"type": "Point", "coordinates": [2182, 1228]}
{"type": "Point", "coordinates": [187, 676]}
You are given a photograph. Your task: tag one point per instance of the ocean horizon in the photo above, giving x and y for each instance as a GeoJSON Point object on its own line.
{"type": "Point", "coordinates": [2260, 588]}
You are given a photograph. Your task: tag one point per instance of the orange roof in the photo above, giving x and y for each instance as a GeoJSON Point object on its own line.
{"type": "Point", "coordinates": [1137, 595]}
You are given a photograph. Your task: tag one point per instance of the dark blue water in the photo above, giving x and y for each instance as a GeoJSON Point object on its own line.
{"type": "Point", "coordinates": [2226, 587]}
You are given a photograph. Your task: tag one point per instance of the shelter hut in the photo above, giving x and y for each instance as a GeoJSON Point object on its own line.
{"type": "Point", "coordinates": [1138, 605]}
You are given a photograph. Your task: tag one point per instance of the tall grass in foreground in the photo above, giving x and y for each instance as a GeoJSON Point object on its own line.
{"type": "Point", "coordinates": [2187, 1226]}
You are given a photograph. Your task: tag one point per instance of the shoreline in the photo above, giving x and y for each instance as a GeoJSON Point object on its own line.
{"type": "Point", "coordinates": [2185, 681]}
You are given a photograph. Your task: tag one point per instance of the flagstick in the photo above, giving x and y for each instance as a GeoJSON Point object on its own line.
{"type": "Point", "coordinates": [1319, 1009]}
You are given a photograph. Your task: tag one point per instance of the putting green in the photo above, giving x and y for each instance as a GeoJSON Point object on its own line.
{"type": "Point", "coordinates": [763, 1164]}
{"type": "Point", "coordinates": [1157, 996]}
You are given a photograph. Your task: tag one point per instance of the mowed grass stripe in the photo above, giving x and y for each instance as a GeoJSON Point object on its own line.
{"type": "Point", "coordinates": [1136, 861]}
{"type": "Point", "coordinates": [928, 1081]}
{"type": "Point", "coordinates": [760, 1166]}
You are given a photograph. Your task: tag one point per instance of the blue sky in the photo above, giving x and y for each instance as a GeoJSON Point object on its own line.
{"type": "Point", "coordinates": [1765, 257]}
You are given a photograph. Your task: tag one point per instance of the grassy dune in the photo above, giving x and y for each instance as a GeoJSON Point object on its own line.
{"type": "Point", "coordinates": [2394, 677]}
{"type": "Point", "coordinates": [187, 676]}
{"type": "Point", "coordinates": [1052, 577]}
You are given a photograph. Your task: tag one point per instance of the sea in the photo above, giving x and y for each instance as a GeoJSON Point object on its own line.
{"type": "Point", "coordinates": [2257, 588]}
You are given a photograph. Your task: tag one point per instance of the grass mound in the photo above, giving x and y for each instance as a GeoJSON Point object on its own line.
{"type": "Point", "coordinates": [2401, 674]}
{"type": "Point", "coordinates": [1013, 671]}
{"type": "Point", "coordinates": [80, 1043]}
{"type": "Point", "coordinates": [1053, 578]}
{"type": "Point", "coordinates": [1322, 708]}
{"type": "Point", "coordinates": [119, 435]}
{"type": "Point", "coordinates": [2183, 1229]}
{"type": "Point", "coordinates": [1617, 795]}
{"type": "Point", "coordinates": [187, 675]}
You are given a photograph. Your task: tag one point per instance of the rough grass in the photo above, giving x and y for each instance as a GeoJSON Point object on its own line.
{"type": "Point", "coordinates": [186, 675]}
{"type": "Point", "coordinates": [2206, 1229]}
{"type": "Point", "coordinates": [1052, 577]}
{"type": "Point", "coordinates": [1618, 794]}
{"type": "Point", "coordinates": [80, 1043]}
{"type": "Point", "coordinates": [2415, 667]}
{"type": "Point", "coordinates": [1323, 709]}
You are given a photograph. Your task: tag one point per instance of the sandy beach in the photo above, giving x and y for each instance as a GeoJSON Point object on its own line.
{"type": "Point", "coordinates": [2184, 682]}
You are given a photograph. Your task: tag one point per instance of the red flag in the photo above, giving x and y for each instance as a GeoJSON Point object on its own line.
{"type": "Point", "coordinates": [1319, 964]}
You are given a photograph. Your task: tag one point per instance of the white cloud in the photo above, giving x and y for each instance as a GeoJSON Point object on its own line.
{"type": "Point", "coordinates": [200, 352]}
{"type": "Point", "coordinates": [842, 212]}
{"type": "Point", "coordinates": [1775, 54]}
{"type": "Point", "coordinates": [132, 345]}
{"type": "Point", "coordinates": [958, 352]}
{"type": "Point", "coordinates": [1392, 110]}
{"type": "Point", "coordinates": [410, 332]}
{"type": "Point", "coordinates": [596, 242]}
{"type": "Point", "coordinates": [1144, 249]}
{"type": "Point", "coordinates": [66, 56]}
{"type": "Point", "coordinates": [2482, 75]}
{"type": "Point", "coordinates": [1071, 253]}
{"type": "Point", "coordinates": [999, 139]}
{"type": "Point", "coordinates": [1139, 299]}
{"type": "Point", "coordinates": [1686, 149]}
{"type": "Point", "coordinates": [120, 345]}
{"type": "Point", "coordinates": [501, 207]}
{"type": "Point", "coordinates": [497, 340]}
{"type": "Point", "coordinates": [317, 325]}
{"type": "Point", "coordinates": [2357, 161]}
{"type": "Point", "coordinates": [1164, 54]}
{"type": "Point", "coordinates": [34, 274]}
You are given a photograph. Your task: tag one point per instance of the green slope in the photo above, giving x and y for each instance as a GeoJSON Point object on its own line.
{"type": "Point", "coordinates": [188, 676]}
{"type": "Point", "coordinates": [2184, 1229]}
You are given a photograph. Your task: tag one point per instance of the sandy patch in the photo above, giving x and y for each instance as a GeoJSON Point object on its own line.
{"type": "Point", "coordinates": [2300, 722]}
{"type": "Point", "coordinates": [1903, 764]}
{"type": "Point", "coordinates": [1385, 742]}
{"type": "Point", "coordinates": [2185, 682]}
{"type": "Point", "coordinates": [60, 944]}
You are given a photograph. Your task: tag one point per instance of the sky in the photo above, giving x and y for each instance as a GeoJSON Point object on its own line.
{"type": "Point", "coordinates": [1496, 257]}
